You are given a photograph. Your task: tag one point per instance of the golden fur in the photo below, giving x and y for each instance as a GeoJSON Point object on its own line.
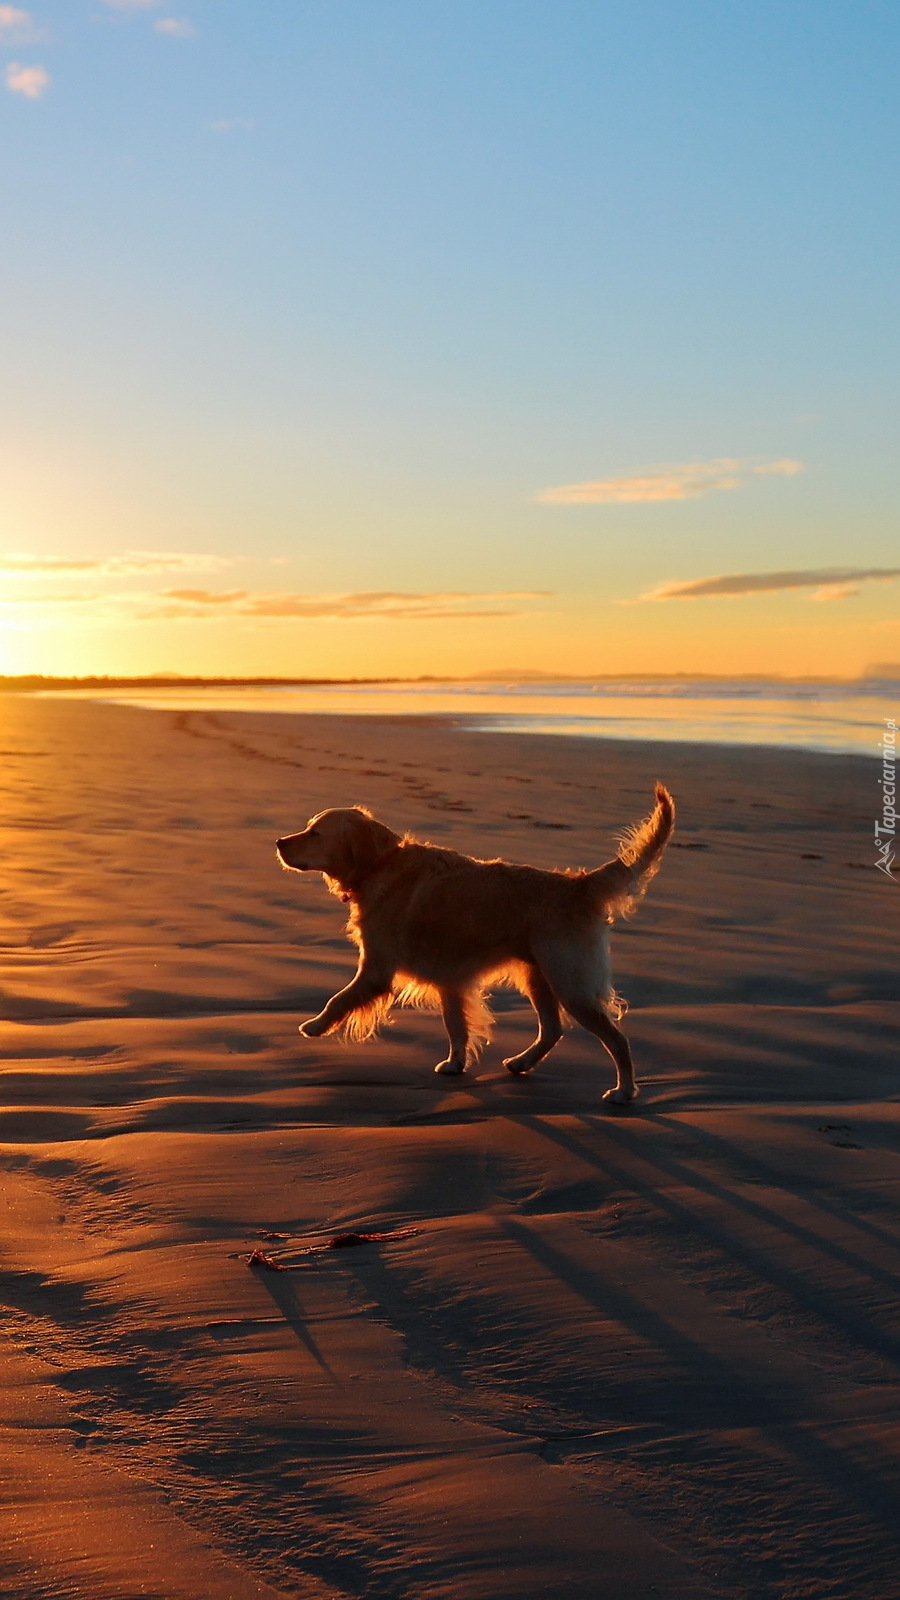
{"type": "Point", "coordinates": [436, 928]}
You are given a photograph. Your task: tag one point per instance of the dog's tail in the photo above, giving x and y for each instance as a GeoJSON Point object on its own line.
{"type": "Point", "coordinates": [619, 885]}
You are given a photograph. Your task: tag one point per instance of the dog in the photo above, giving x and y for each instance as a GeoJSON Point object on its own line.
{"type": "Point", "coordinates": [436, 928]}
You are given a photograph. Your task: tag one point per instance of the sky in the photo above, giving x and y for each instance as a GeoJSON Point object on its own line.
{"type": "Point", "coordinates": [363, 337]}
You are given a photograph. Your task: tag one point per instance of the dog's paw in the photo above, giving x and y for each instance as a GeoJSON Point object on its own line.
{"type": "Point", "coordinates": [621, 1097]}
{"type": "Point", "coordinates": [450, 1068]}
{"type": "Point", "coordinates": [313, 1028]}
{"type": "Point", "coordinates": [518, 1065]}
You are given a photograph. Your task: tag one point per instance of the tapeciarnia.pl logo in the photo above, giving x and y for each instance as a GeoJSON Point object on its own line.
{"type": "Point", "coordinates": [886, 829]}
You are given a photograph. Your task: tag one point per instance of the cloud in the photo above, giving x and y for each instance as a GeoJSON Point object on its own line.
{"type": "Point", "coordinates": [32, 82]}
{"type": "Point", "coordinates": [393, 605]}
{"type": "Point", "coordinates": [686, 482]}
{"type": "Point", "coordinates": [17, 27]}
{"type": "Point", "coordinates": [782, 469]}
{"type": "Point", "coordinates": [830, 583]}
{"type": "Point", "coordinates": [836, 591]}
{"type": "Point", "coordinates": [232, 124]}
{"type": "Point", "coordinates": [126, 564]}
{"type": "Point", "coordinates": [12, 603]}
{"type": "Point", "coordinates": [131, 5]}
{"type": "Point", "coordinates": [175, 27]}
{"type": "Point", "coordinates": [142, 604]}
{"type": "Point", "coordinates": [206, 597]}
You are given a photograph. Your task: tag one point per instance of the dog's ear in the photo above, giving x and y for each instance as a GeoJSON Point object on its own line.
{"type": "Point", "coordinates": [366, 842]}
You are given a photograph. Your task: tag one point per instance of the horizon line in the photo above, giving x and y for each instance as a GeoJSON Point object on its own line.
{"type": "Point", "coordinates": [22, 682]}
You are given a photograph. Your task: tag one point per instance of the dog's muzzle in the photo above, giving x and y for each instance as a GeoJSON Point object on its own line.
{"type": "Point", "coordinates": [283, 852]}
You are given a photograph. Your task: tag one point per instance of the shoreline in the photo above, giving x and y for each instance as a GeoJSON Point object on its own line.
{"type": "Point", "coordinates": [506, 721]}
{"type": "Point", "coordinates": [457, 724]}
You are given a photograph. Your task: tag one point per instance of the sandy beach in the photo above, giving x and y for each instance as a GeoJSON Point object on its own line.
{"type": "Point", "coordinates": [650, 1356]}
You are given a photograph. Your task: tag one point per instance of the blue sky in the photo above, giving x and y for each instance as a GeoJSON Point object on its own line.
{"type": "Point", "coordinates": [325, 303]}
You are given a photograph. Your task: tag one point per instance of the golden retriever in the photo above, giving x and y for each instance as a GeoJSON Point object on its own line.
{"type": "Point", "coordinates": [434, 928]}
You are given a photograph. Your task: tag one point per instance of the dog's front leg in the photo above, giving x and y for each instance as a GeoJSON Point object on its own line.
{"type": "Point", "coordinates": [368, 985]}
{"type": "Point", "coordinates": [453, 1011]}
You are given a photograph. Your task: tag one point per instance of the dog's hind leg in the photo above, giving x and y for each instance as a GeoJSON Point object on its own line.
{"type": "Point", "coordinates": [546, 1005]}
{"type": "Point", "coordinates": [580, 979]}
{"type": "Point", "coordinates": [594, 1018]}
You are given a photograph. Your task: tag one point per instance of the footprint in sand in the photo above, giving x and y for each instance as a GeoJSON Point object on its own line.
{"type": "Point", "coordinates": [840, 1127]}
{"type": "Point", "coordinates": [244, 1044]}
{"type": "Point", "coordinates": [82, 1427]}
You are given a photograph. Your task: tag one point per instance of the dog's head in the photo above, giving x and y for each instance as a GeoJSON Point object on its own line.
{"type": "Point", "coordinates": [346, 844]}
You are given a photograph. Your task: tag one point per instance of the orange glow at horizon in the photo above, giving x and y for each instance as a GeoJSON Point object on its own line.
{"type": "Point", "coordinates": [724, 639]}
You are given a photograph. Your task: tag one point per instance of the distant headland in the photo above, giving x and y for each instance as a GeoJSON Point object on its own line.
{"type": "Point", "coordinates": [39, 682]}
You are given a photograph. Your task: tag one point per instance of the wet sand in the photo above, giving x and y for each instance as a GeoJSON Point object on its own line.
{"type": "Point", "coordinates": [606, 1356]}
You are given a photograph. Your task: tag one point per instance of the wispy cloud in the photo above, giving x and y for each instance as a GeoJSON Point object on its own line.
{"type": "Point", "coordinates": [836, 591]}
{"type": "Point", "coordinates": [93, 587]}
{"type": "Point", "coordinates": [30, 82]}
{"type": "Point", "coordinates": [12, 20]}
{"type": "Point", "coordinates": [17, 564]}
{"type": "Point", "coordinates": [78, 597]}
{"type": "Point", "coordinates": [232, 124]}
{"type": "Point", "coordinates": [393, 605]}
{"type": "Point", "coordinates": [18, 27]}
{"type": "Point", "coordinates": [205, 597]}
{"type": "Point", "coordinates": [780, 469]}
{"type": "Point", "coordinates": [686, 482]}
{"type": "Point", "coordinates": [175, 27]}
{"type": "Point", "coordinates": [829, 583]}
